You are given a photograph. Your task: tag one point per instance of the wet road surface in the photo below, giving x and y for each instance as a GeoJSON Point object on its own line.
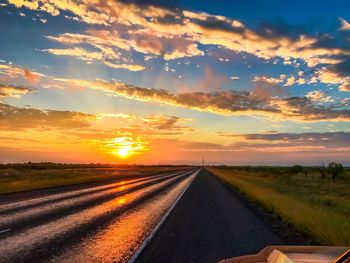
{"type": "Point", "coordinates": [97, 223]}
{"type": "Point", "coordinates": [208, 224]}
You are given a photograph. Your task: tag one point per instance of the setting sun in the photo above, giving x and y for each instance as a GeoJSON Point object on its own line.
{"type": "Point", "coordinates": [124, 146]}
{"type": "Point", "coordinates": [124, 152]}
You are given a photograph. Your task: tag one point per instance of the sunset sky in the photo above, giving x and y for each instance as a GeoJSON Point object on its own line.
{"type": "Point", "coordinates": [157, 82]}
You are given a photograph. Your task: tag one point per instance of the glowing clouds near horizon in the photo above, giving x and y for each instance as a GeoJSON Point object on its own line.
{"type": "Point", "coordinates": [125, 146]}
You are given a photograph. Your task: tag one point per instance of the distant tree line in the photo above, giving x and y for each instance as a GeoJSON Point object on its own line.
{"type": "Point", "coordinates": [51, 165]}
{"type": "Point", "coordinates": [333, 170]}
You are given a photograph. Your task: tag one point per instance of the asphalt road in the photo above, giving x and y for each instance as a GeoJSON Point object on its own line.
{"type": "Point", "coordinates": [97, 222]}
{"type": "Point", "coordinates": [208, 224]}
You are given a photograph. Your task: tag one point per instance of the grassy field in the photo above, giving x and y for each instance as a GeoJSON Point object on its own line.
{"type": "Point", "coordinates": [26, 178]}
{"type": "Point", "coordinates": [318, 208]}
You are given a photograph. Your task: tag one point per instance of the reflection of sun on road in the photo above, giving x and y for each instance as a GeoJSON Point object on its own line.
{"type": "Point", "coordinates": [125, 146]}
{"type": "Point", "coordinates": [121, 201]}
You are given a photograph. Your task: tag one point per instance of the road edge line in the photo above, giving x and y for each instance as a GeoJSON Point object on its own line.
{"type": "Point", "coordinates": [160, 223]}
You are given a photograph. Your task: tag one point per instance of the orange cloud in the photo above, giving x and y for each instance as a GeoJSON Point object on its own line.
{"type": "Point", "coordinates": [344, 24]}
{"type": "Point", "coordinates": [31, 77]}
{"type": "Point", "coordinates": [345, 87]}
{"type": "Point", "coordinates": [333, 75]}
{"type": "Point", "coordinates": [319, 96]}
{"type": "Point", "coordinates": [14, 72]}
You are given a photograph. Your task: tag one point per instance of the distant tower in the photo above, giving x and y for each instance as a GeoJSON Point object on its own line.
{"type": "Point", "coordinates": [202, 162]}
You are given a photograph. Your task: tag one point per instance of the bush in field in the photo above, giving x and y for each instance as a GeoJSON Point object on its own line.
{"type": "Point", "coordinates": [323, 172]}
{"type": "Point", "coordinates": [305, 172]}
{"type": "Point", "coordinates": [296, 169]}
{"type": "Point", "coordinates": [335, 169]}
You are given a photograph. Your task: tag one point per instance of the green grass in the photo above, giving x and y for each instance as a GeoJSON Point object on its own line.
{"type": "Point", "coordinates": [14, 180]}
{"type": "Point", "coordinates": [318, 208]}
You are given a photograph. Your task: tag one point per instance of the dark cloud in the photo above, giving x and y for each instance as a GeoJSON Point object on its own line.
{"type": "Point", "coordinates": [231, 103]}
{"type": "Point", "coordinates": [217, 23]}
{"type": "Point", "coordinates": [169, 123]}
{"type": "Point", "coordinates": [342, 69]}
{"type": "Point", "coordinates": [160, 3]}
{"type": "Point", "coordinates": [280, 28]}
{"type": "Point", "coordinates": [159, 125]}
{"type": "Point", "coordinates": [302, 107]}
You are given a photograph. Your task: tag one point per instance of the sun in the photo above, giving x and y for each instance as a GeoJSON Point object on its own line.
{"type": "Point", "coordinates": [123, 152]}
{"type": "Point", "coordinates": [125, 146]}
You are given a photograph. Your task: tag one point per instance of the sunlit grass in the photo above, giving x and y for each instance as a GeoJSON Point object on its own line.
{"type": "Point", "coordinates": [316, 207]}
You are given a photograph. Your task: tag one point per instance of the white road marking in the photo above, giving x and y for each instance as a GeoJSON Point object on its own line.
{"type": "Point", "coordinates": [154, 231]}
{"type": "Point", "coordinates": [4, 230]}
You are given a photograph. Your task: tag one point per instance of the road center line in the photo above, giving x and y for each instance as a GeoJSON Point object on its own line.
{"type": "Point", "coordinates": [4, 230]}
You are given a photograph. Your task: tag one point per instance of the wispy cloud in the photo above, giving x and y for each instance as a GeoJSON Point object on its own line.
{"type": "Point", "coordinates": [83, 54]}
{"type": "Point", "coordinates": [279, 140]}
{"type": "Point", "coordinates": [14, 91]}
{"type": "Point", "coordinates": [125, 66]}
{"type": "Point", "coordinates": [76, 52]}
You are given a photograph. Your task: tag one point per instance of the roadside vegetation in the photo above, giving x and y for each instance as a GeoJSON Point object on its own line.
{"type": "Point", "coordinates": [29, 176]}
{"type": "Point", "coordinates": [315, 200]}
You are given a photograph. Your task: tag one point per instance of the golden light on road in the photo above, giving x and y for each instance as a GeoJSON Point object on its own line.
{"type": "Point", "coordinates": [125, 146]}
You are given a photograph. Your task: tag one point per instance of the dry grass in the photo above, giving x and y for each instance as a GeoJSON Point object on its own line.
{"type": "Point", "coordinates": [316, 207]}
